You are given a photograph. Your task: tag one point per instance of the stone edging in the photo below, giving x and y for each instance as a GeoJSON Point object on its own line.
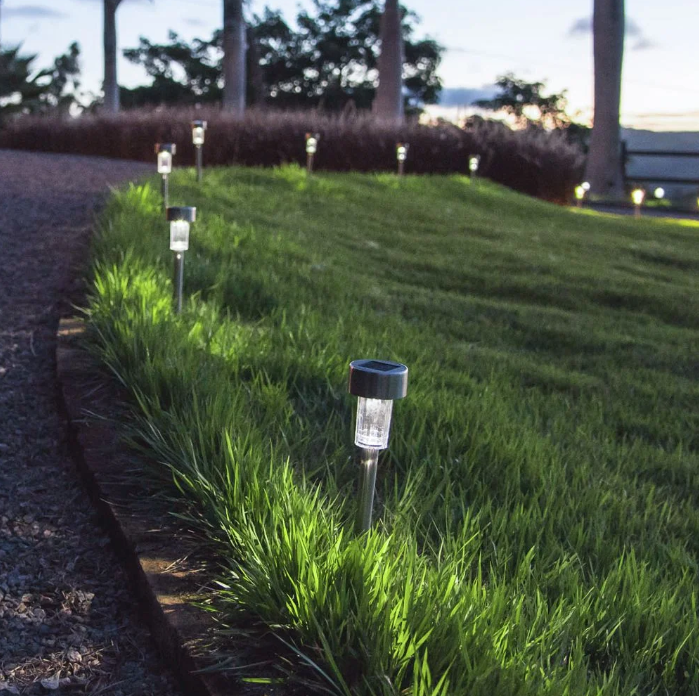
{"type": "Point", "coordinates": [155, 557]}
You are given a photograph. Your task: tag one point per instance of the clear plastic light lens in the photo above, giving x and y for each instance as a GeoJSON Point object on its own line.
{"type": "Point", "coordinates": [402, 154]}
{"type": "Point", "coordinates": [311, 146]}
{"type": "Point", "coordinates": [579, 192]}
{"type": "Point", "coordinates": [198, 135]}
{"type": "Point", "coordinates": [164, 163]}
{"type": "Point", "coordinates": [660, 192]}
{"type": "Point", "coordinates": [586, 185]}
{"type": "Point", "coordinates": [638, 195]}
{"type": "Point", "coordinates": [473, 163]}
{"type": "Point", "coordinates": [179, 235]}
{"type": "Point", "coordinates": [373, 423]}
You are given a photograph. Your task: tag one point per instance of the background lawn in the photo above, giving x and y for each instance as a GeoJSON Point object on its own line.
{"type": "Point", "coordinates": [537, 526]}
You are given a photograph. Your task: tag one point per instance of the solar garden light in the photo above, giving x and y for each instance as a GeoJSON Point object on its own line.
{"type": "Point", "coordinates": [659, 193]}
{"type": "Point", "coordinates": [581, 192]}
{"type": "Point", "coordinates": [198, 136]}
{"type": "Point", "coordinates": [165, 151]}
{"type": "Point", "coordinates": [180, 218]}
{"type": "Point", "coordinates": [473, 163]}
{"type": "Point", "coordinates": [377, 383]}
{"type": "Point", "coordinates": [637, 196]}
{"type": "Point", "coordinates": [402, 156]}
{"type": "Point", "coordinates": [311, 149]}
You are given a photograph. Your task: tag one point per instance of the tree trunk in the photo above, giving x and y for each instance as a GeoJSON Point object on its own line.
{"type": "Point", "coordinates": [604, 166]}
{"type": "Point", "coordinates": [233, 56]}
{"type": "Point", "coordinates": [111, 87]}
{"type": "Point", "coordinates": [388, 103]}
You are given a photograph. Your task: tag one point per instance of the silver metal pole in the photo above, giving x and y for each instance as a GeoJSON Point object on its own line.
{"type": "Point", "coordinates": [179, 280]}
{"type": "Point", "coordinates": [368, 463]}
{"type": "Point", "coordinates": [309, 163]}
{"type": "Point", "coordinates": [166, 192]}
{"type": "Point", "coordinates": [401, 168]}
{"type": "Point", "coordinates": [199, 163]}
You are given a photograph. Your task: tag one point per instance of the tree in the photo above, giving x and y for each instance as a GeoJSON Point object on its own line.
{"type": "Point", "coordinates": [526, 102]}
{"type": "Point", "coordinates": [329, 62]}
{"type": "Point", "coordinates": [604, 166]}
{"type": "Point", "coordinates": [111, 86]}
{"type": "Point", "coordinates": [388, 103]}
{"type": "Point", "coordinates": [23, 91]}
{"type": "Point", "coordinates": [234, 55]}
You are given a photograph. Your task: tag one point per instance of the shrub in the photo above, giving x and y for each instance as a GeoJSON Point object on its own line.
{"type": "Point", "coordinates": [532, 162]}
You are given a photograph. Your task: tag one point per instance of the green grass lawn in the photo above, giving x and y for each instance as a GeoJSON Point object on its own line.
{"type": "Point", "coordinates": [537, 529]}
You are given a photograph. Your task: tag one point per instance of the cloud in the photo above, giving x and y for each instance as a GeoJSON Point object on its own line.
{"type": "Point", "coordinates": [32, 11]}
{"type": "Point", "coordinates": [465, 96]}
{"type": "Point", "coordinates": [583, 27]}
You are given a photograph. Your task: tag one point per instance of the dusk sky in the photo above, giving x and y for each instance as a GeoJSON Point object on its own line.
{"type": "Point", "coordinates": [542, 41]}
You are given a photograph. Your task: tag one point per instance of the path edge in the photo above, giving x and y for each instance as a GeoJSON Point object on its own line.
{"type": "Point", "coordinates": [150, 555]}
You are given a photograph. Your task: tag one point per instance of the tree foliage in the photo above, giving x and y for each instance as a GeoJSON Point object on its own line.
{"type": "Point", "coordinates": [527, 103]}
{"type": "Point", "coordinates": [26, 91]}
{"type": "Point", "coordinates": [328, 60]}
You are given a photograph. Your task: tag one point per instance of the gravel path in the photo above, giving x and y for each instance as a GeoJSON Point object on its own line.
{"type": "Point", "coordinates": [68, 620]}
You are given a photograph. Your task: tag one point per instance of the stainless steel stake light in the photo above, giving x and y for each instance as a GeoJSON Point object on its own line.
{"type": "Point", "coordinates": [165, 152]}
{"type": "Point", "coordinates": [377, 383]}
{"type": "Point", "coordinates": [311, 149]}
{"type": "Point", "coordinates": [473, 163]}
{"type": "Point", "coordinates": [402, 156]}
{"type": "Point", "coordinates": [180, 219]}
{"type": "Point", "coordinates": [638, 196]}
{"type": "Point", "coordinates": [198, 137]}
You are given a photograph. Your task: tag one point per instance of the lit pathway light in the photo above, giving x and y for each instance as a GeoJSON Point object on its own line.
{"type": "Point", "coordinates": [180, 218]}
{"type": "Point", "coordinates": [579, 195]}
{"type": "Point", "coordinates": [311, 149]}
{"type": "Point", "coordinates": [198, 136]}
{"type": "Point", "coordinates": [165, 151]}
{"type": "Point", "coordinates": [659, 193]}
{"type": "Point", "coordinates": [637, 196]}
{"type": "Point", "coordinates": [377, 383]}
{"type": "Point", "coordinates": [473, 163]}
{"type": "Point", "coordinates": [402, 156]}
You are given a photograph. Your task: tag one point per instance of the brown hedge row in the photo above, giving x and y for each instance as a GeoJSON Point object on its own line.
{"type": "Point", "coordinates": [532, 162]}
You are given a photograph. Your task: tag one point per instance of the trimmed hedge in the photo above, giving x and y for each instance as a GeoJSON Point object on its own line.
{"type": "Point", "coordinates": [532, 162]}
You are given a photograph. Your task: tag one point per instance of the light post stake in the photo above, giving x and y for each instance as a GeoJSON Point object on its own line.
{"type": "Point", "coordinates": [311, 149]}
{"type": "Point", "coordinates": [377, 383]}
{"type": "Point", "coordinates": [179, 280]}
{"type": "Point", "coordinates": [165, 152]}
{"type": "Point", "coordinates": [166, 191]}
{"type": "Point", "coordinates": [180, 219]}
{"type": "Point", "coordinates": [198, 137]}
{"type": "Point", "coordinates": [401, 156]}
{"type": "Point", "coordinates": [368, 464]}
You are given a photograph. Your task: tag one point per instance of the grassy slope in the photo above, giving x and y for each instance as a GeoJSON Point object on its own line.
{"type": "Point", "coordinates": [538, 527]}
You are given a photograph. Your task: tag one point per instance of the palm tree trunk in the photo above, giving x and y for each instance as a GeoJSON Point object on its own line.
{"type": "Point", "coordinates": [111, 87]}
{"type": "Point", "coordinates": [604, 166]}
{"type": "Point", "coordinates": [388, 103]}
{"type": "Point", "coordinates": [234, 48]}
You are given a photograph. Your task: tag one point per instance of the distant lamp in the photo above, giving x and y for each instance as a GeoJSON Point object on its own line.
{"type": "Point", "coordinates": [586, 186]}
{"type": "Point", "coordinates": [180, 219]}
{"type": "Point", "coordinates": [401, 156]}
{"type": "Point", "coordinates": [659, 193]}
{"type": "Point", "coordinates": [165, 152]}
{"type": "Point", "coordinates": [474, 162]}
{"type": "Point", "coordinates": [198, 137]}
{"type": "Point", "coordinates": [311, 149]}
{"type": "Point", "coordinates": [580, 195]}
{"type": "Point", "coordinates": [377, 383]}
{"type": "Point", "coordinates": [638, 196]}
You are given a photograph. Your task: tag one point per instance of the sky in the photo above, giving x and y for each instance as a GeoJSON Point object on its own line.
{"type": "Point", "coordinates": [548, 41]}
